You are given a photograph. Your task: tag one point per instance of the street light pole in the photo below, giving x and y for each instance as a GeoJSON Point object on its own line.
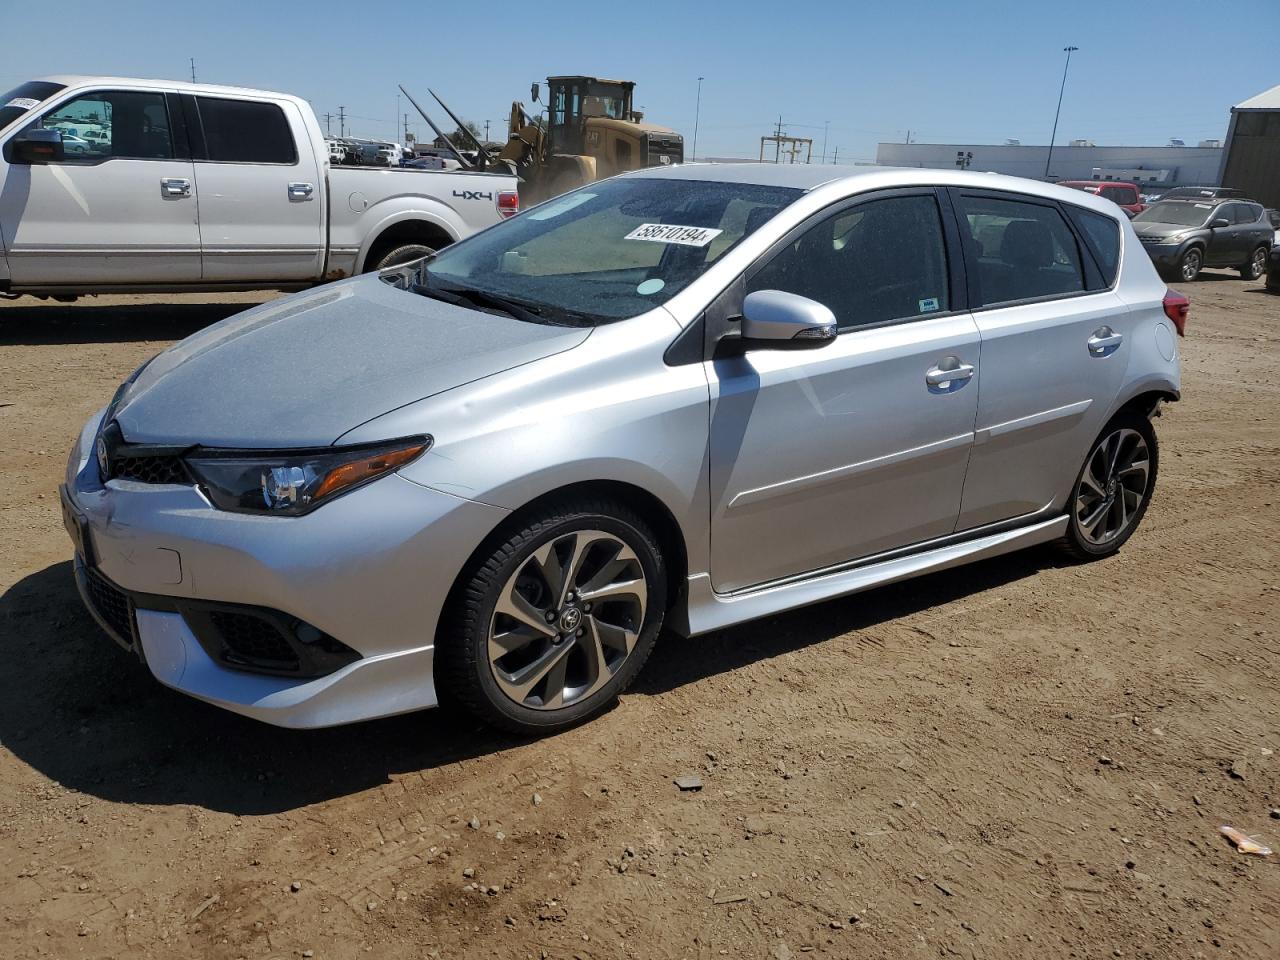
{"type": "Point", "coordinates": [697, 115]}
{"type": "Point", "coordinates": [825, 125]}
{"type": "Point", "coordinates": [1053, 136]}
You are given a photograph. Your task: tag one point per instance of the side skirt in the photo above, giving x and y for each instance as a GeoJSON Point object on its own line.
{"type": "Point", "coordinates": [707, 610]}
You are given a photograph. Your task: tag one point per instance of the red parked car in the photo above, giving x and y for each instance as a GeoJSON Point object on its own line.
{"type": "Point", "coordinates": [1124, 195]}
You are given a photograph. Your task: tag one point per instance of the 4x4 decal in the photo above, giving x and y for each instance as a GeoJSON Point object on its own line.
{"type": "Point", "coordinates": [472, 195]}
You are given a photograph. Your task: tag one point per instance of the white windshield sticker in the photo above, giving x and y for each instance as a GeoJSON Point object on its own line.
{"type": "Point", "coordinates": [554, 209]}
{"type": "Point", "coordinates": [674, 233]}
{"type": "Point", "coordinates": [26, 103]}
{"type": "Point", "coordinates": [1204, 206]}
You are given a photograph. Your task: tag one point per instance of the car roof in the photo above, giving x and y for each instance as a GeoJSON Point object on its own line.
{"type": "Point", "coordinates": [178, 86]}
{"type": "Point", "coordinates": [811, 176]}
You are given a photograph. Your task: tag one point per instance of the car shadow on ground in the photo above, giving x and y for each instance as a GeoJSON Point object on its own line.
{"type": "Point", "coordinates": [87, 715]}
{"type": "Point", "coordinates": [51, 324]}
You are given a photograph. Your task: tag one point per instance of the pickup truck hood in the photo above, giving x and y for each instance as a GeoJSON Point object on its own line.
{"type": "Point", "coordinates": [304, 370]}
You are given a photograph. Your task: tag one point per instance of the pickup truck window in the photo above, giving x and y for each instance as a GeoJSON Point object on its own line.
{"type": "Point", "coordinates": [108, 124]}
{"type": "Point", "coordinates": [23, 97]}
{"type": "Point", "coordinates": [245, 131]}
{"type": "Point", "coordinates": [613, 249]}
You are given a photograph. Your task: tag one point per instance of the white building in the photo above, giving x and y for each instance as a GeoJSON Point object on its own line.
{"type": "Point", "coordinates": [1162, 166]}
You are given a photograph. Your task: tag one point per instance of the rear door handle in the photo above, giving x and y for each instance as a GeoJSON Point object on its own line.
{"type": "Point", "coordinates": [175, 187]}
{"type": "Point", "coordinates": [958, 373]}
{"type": "Point", "coordinates": [300, 191]}
{"type": "Point", "coordinates": [1104, 342]}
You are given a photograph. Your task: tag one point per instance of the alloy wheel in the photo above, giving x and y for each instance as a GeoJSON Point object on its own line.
{"type": "Point", "coordinates": [1112, 486]}
{"type": "Point", "coordinates": [1258, 265]}
{"type": "Point", "coordinates": [567, 619]}
{"type": "Point", "coordinates": [1191, 265]}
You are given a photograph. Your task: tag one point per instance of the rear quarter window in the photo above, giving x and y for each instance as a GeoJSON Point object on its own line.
{"type": "Point", "coordinates": [1102, 237]}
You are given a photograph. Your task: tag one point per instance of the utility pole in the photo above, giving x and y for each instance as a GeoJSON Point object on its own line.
{"type": "Point", "coordinates": [825, 124]}
{"type": "Point", "coordinates": [697, 115]}
{"type": "Point", "coordinates": [1053, 136]}
{"type": "Point", "coordinates": [406, 128]}
{"type": "Point", "coordinates": [486, 131]}
{"type": "Point", "coordinates": [193, 69]}
{"type": "Point", "coordinates": [908, 140]}
{"type": "Point", "coordinates": [342, 121]}
{"type": "Point", "coordinates": [836, 158]}
{"type": "Point", "coordinates": [328, 130]}
{"type": "Point", "coordinates": [395, 117]}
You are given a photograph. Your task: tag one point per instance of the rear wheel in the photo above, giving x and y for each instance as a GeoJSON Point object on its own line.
{"type": "Point", "coordinates": [556, 621]}
{"type": "Point", "coordinates": [1190, 264]}
{"type": "Point", "coordinates": [1113, 488]}
{"type": "Point", "coordinates": [398, 256]}
{"type": "Point", "coordinates": [1257, 264]}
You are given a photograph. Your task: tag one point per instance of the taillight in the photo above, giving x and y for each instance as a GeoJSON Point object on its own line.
{"type": "Point", "coordinates": [508, 203]}
{"type": "Point", "coordinates": [1176, 307]}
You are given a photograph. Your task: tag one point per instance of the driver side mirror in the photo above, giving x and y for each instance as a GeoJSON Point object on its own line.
{"type": "Point", "coordinates": [534, 92]}
{"type": "Point", "coordinates": [36, 145]}
{"type": "Point", "coordinates": [1219, 222]}
{"type": "Point", "coordinates": [777, 320]}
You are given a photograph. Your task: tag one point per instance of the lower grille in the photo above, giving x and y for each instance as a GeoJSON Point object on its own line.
{"type": "Point", "coordinates": [110, 604]}
{"type": "Point", "coordinates": [253, 641]}
{"type": "Point", "coordinates": [160, 469]}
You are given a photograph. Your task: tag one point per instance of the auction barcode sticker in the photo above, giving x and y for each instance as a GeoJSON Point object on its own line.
{"type": "Point", "coordinates": [674, 233]}
{"type": "Point", "coordinates": [23, 103]}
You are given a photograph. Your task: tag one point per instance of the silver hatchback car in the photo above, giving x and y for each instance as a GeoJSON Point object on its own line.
{"type": "Point", "coordinates": [683, 397]}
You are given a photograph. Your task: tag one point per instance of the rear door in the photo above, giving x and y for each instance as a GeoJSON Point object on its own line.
{"type": "Point", "coordinates": [259, 184]}
{"type": "Point", "coordinates": [1055, 343]}
{"type": "Point", "coordinates": [119, 208]}
{"type": "Point", "coordinates": [823, 456]}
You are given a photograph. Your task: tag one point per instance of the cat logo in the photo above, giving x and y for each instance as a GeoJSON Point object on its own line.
{"type": "Point", "coordinates": [472, 195]}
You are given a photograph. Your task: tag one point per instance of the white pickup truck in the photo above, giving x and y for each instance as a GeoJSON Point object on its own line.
{"type": "Point", "coordinates": [114, 185]}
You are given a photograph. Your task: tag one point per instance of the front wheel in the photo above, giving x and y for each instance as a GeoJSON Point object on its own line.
{"type": "Point", "coordinates": [1257, 264]}
{"type": "Point", "coordinates": [1113, 488]}
{"type": "Point", "coordinates": [1190, 264]}
{"type": "Point", "coordinates": [556, 621]}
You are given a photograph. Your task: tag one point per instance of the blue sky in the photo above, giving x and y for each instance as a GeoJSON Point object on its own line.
{"type": "Point", "coordinates": [974, 71]}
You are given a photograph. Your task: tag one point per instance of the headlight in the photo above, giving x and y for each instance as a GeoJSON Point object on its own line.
{"type": "Point", "coordinates": [293, 482]}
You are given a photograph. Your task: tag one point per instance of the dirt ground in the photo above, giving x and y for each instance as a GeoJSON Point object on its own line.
{"type": "Point", "coordinates": [1017, 759]}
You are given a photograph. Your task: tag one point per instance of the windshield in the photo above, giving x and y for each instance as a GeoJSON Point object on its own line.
{"type": "Point", "coordinates": [1182, 214]}
{"type": "Point", "coordinates": [608, 251]}
{"type": "Point", "coordinates": [18, 101]}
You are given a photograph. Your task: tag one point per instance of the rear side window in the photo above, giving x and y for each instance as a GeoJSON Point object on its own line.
{"type": "Point", "coordinates": [1025, 251]}
{"type": "Point", "coordinates": [877, 261]}
{"type": "Point", "coordinates": [1102, 237]}
{"type": "Point", "coordinates": [1121, 195]}
{"type": "Point", "coordinates": [241, 131]}
{"type": "Point", "coordinates": [1247, 212]}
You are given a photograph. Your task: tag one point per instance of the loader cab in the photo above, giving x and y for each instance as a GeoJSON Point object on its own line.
{"type": "Point", "coordinates": [573, 101]}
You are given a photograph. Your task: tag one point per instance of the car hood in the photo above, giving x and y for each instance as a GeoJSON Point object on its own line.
{"type": "Point", "coordinates": [304, 370]}
{"type": "Point", "coordinates": [1154, 228]}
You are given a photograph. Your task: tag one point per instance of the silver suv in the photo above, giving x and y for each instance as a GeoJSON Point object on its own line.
{"type": "Point", "coordinates": [683, 397]}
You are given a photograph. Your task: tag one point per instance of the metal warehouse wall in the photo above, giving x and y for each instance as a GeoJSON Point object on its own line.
{"type": "Point", "coordinates": [1252, 161]}
{"type": "Point", "coordinates": [1186, 165]}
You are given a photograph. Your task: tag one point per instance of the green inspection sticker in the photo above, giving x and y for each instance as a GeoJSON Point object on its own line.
{"type": "Point", "coordinates": [928, 304]}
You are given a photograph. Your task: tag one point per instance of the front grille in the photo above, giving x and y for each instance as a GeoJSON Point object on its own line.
{"type": "Point", "coordinates": [110, 604]}
{"type": "Point", "coordinates": [1152, 239]}
{"type": "Point", "coordinates": [150, 469]}
{"type": "Point", "coordinates": [253, 641]}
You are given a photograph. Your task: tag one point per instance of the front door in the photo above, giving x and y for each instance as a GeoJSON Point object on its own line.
{"type": "Point", "coordinates": [261, 191]}
{"type": "Point", "coordinates": [120, 208]}
{"type": "Point", "coordinates": [1055, 342]}
{"type": "Point", "coordinates": [824, 456]}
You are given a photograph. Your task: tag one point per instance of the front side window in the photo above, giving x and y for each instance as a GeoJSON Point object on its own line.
{"type": "Point", "coordinates": [613, 249]}
{"type": "Point", "coordinates": [243, 131]}
{"type": "Point", "coordinates": [106, 124]}
{"type": "Point", "coordinates": [877, 261]}
{"type": "Point", "coordinates": [1025, 250]}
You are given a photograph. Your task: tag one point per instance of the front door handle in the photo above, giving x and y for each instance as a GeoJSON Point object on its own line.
{"type": "Point", "coordinates": [300, 191]}
{"type": "Point", "coordinates": [1104, 342]}
{"type": "Point", "coordinates": [175, 187]}
{"type": "Point", "coordinates": [949, 373]}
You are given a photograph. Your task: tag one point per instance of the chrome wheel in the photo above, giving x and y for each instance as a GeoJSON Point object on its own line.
{"type": "Point", "coordinates": [567, 619]}
{"type": "Point", "coordinates": [1112, 486]}
{"type": "Point", "coordinates": [1191, 265]}
{"type": "Point", "coordinates": [1258, 265]}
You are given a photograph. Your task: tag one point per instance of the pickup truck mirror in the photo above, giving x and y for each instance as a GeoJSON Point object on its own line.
{"type": "Point", "coordinates": [1219, 222]}
{"type": "Point", "coordinates": [36, 145]}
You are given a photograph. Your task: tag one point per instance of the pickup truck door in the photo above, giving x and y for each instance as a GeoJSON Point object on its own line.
{"type": "Point", "coordinates": [260, 187]}
{"type": "Point", "coordinates": [119, 208]}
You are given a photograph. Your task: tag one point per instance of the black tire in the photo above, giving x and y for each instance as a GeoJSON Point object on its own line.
{"type": "Point", "coordinates": [463, 672]}
{"type": "Point", "coordinates": [1076, 543]}
{"type": "Point", "coordinates": [398, 256]}
{"type": "Point", "coordinates": [1190, 264]}
{"type": "Point", "coordinates": [1257, 265]}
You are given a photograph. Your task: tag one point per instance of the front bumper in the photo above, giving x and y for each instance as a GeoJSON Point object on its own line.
{"type": "Point", "coordinates": [372, 569]}
{"type": "Point", "coordinates": [1164, 254]}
